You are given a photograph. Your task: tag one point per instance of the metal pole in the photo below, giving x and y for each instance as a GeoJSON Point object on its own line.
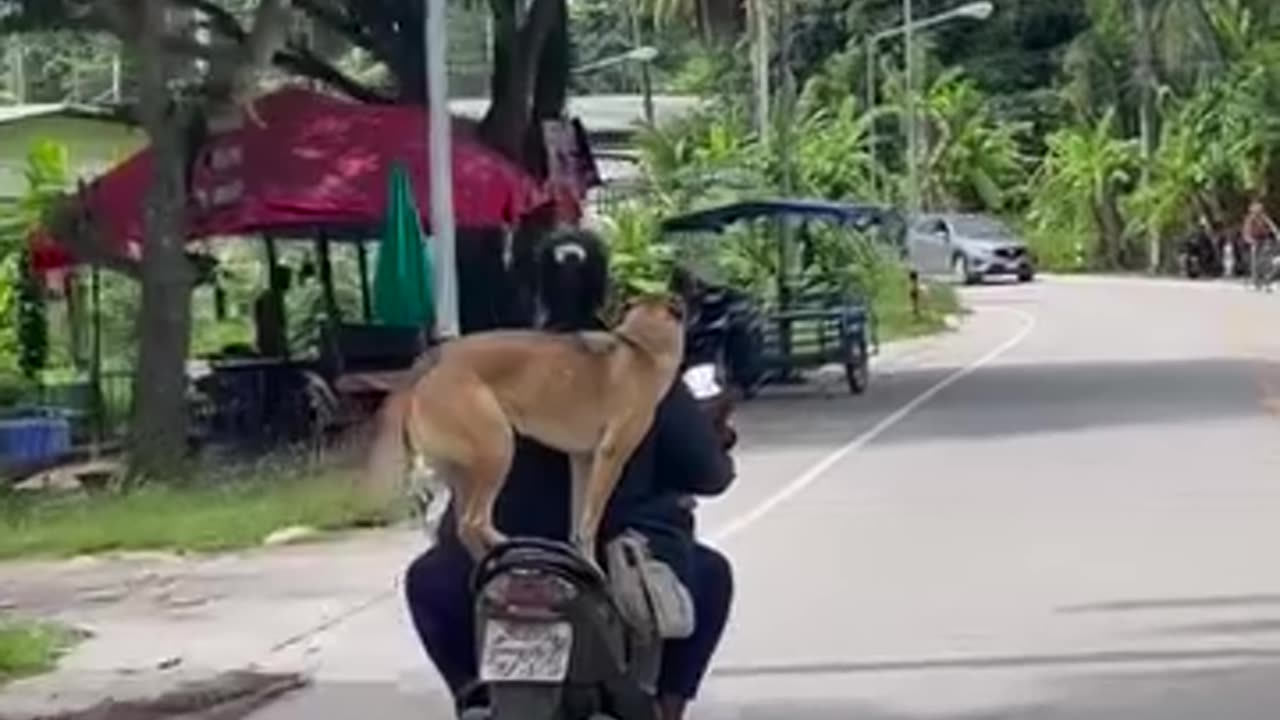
{"type": "Point", "coordinates": [440, 157]}
{"type": "Point", "coordinates": [646, 77]}
{"type": "Point", "coordinates": [871, 101]}
{"type": "Point", "coordinates": [787, 97]}
{"type": "Point", "coordinates": [95, 362]}
{"type": "Point", "coordinates": [116, 78]}
{"type": "Point", "coordinates": [762, 66]}
{"type": "Point", "coordinates": [913, 181]}
{"type": "Point", "coordinates": [17, 71]}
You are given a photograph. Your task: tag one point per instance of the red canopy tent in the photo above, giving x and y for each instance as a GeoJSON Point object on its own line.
{"type": "Point", "coordinates": [315, 162]}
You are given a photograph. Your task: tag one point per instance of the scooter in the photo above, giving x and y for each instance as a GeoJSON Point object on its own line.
{"type": "Point", "coordinates": [553, 642]}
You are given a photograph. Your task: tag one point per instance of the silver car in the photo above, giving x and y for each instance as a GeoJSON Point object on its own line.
{"type": "Point", "coordinates": [969, 247]}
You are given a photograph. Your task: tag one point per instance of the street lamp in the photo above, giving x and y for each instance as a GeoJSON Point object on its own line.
{"type": "Point", "coordinates": [642, 54]}
{"type": "Point", "coordinates": [979, 10]}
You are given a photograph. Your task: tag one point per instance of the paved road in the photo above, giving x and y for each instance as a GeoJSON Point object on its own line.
{"type": "Point", "coordinates": [1075, 527]}
{"type": "Point", "coordinates": [1061, 511]}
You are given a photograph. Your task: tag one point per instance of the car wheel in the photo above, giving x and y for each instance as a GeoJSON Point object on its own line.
{"type": "Point", "coordinates": [960, 271]}
{"type": "Point", "coordinates": [1026, 276]}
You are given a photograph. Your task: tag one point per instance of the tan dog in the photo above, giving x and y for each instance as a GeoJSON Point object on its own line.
{"type": "Point", "coordinates": [591, 395]}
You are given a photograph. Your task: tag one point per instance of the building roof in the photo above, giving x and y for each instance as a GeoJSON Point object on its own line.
{"type": "Point", "coordinates": [601, 114]}
{"type": "Point", "coordinates": [31, 111]}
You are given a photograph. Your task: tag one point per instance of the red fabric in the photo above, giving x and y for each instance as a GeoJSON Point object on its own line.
{"type": "Point", "coordinates": [316, 161]}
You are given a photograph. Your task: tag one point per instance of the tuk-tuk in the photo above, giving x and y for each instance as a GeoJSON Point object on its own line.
{"type": "Point", "coordinates": [787, 282]}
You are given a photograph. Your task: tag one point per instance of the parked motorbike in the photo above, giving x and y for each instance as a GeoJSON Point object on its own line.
{"type": "Point", "coordinates": [554, 643]}
{"type": "Point", "coordinates": [725, 330]}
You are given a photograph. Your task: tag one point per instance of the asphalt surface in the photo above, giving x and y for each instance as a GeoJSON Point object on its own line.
{"type": "Point", "coordinates": [1076, 526]}
{"type": "Point", "coordinates": [1063, 510]}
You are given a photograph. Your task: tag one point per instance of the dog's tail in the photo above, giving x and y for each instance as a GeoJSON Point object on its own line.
{"type": "Point", "coordinates": [387, 465]}
{"type": "Point", "coordinates": [383, 480]}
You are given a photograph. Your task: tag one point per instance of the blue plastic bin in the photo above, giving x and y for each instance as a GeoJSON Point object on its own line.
{"type": "Point", "coordinates": [32, 440]}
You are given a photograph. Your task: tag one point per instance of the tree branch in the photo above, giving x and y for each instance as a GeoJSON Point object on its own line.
{"type": "Point", "coordinates": [307, 64]}
{"type": "Point", "coordinates": [337, 20]}
{"type": "Point", "coordinates": [223, 21]}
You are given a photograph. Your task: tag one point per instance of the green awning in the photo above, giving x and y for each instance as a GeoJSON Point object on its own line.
{"type": "Point", "coordinates": [403, 294]}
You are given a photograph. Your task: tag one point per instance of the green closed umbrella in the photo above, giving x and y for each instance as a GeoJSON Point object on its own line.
{"type": "Point", "coordinates": [403, 293]}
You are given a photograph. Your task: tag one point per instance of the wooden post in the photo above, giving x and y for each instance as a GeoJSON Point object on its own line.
{"type": "Point", "coordinates": [95, 361]}
{"type": "Point", "coordinates": [273, 259]}
{"type": "Point", "coordinates": [366, 298]}
{"type": "Point", "coordinates": [326, 279]}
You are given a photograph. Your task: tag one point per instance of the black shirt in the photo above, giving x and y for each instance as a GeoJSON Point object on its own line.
{"type": "Point", "coordinates": [680, 456]}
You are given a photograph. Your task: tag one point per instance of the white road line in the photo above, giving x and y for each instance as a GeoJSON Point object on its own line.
{"type": "Point", "coordinates": [815, 473]}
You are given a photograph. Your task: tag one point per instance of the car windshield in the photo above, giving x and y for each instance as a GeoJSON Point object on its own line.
{"type": "Point", "coordinates": [982, 227]}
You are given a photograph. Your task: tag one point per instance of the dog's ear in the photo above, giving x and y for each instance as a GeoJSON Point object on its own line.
{"type": "Point", "coordinates": [675, 306]}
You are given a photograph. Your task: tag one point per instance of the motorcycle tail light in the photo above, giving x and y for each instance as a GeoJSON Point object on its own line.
{"type": "Point", "coordinates": [531, 589]}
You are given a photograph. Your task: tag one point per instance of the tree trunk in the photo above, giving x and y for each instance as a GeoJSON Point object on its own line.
{"type": "Point", "coordinates": [518, 63]}
{"type": "Point", "coordinates": [1111, 226]}
{"type": "Point", "coordinates": [1145, 51]}
{"type": "Point", "coordinates": [160, 408]}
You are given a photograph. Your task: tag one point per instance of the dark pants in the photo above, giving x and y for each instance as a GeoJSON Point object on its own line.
{"type": "Point", "coordinates": [437, 588]}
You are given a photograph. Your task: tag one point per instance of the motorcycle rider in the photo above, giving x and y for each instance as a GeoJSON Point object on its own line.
{"type": "Point", "coordinates": [681, 456]}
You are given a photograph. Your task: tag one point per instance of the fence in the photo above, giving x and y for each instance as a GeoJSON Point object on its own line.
{"type": "Point", "coordinates": [105, 421]}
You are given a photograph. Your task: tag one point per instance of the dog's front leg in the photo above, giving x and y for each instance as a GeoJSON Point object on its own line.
{"type": "Point", "coordinates": [615, 448]}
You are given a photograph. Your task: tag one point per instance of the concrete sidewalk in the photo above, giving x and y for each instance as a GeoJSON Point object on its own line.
{"type": "Point", "coordinates": [158, 620]}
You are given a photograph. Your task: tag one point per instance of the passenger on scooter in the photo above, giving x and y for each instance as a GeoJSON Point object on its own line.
{"type": "Point", "coordinates": [682, 456]}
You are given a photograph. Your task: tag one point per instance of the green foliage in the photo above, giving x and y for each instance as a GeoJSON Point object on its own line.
{"type": "Point", "coordinates": [638, 263]}
{"type": "Point", "coordinates": [33, 323]}
{"type": "Point", "coordinates": [1075, 194]}
{"type": "Point", "coordinates": [30, 648]}
{"type": "Point", "coordinates": [212, 508]}
{"type": "Point", "coordinates": [24, 333]}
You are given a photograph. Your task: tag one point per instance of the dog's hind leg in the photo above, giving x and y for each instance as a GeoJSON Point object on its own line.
{"type": "Point", "coordinates": [479, 482]}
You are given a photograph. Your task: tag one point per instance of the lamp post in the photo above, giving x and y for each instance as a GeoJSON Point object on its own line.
{"type": "Point", "coordinates": [979, 10]}
{"type": "Point", "coordinates": [641, 54]}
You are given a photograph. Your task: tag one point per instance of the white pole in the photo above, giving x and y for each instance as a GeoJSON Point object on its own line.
{"type": "Point", "coordinates": [17, 70]}
{"type": "Point", "coordinates": [440, 155]}
{"type": "Point", "coordinates": [761, 13]}
{"type": "Point", "coordinates": [913, 181]}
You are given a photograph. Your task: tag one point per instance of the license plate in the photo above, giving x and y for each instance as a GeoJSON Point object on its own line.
{"type": "Point", "coordinates": [525, 651]}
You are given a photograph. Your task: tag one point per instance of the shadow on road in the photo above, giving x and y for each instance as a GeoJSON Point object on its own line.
{"type": "Point", "coordinates": [1241, 691]}
{"type": "Point", "coordinates": [1181, 603]}
{"type": "Point", "coordinates": [1009, 400]}
{"type": "Point", "coordinates": [1003, 662]}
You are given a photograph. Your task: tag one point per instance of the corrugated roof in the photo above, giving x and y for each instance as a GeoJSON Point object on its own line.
{"type": "Point", "coordinates": [16, 113]}
{"type": "Point", "coordinates": [600, 113]}
{"type": "Point", "coordinates": [12, 113]}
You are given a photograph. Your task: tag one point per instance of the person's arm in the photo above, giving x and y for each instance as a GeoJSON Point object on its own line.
{"type": "Point", "coordinates": [688, 453]}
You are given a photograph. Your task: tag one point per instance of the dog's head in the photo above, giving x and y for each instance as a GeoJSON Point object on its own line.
{"type": "Point", "coordinates": [657, 323]}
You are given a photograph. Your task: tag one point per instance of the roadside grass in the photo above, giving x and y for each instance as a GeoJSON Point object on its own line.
{"type": "Point", "coordinates": [30, 648]}
{"type": "Point", "coordinates": [211, 510]}
{"type": "Point", "coordinates": [898, 322]}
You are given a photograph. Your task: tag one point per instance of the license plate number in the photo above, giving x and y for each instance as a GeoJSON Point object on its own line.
{"type": "Point", "coordinates": [526, 652]}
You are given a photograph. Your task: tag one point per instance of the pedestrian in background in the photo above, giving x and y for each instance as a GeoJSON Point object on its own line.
{"type": "Point", "coordinates": [1260, 235]}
